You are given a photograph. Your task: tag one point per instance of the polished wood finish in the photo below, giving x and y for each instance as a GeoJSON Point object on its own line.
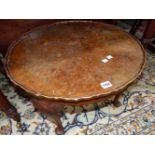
{"type": "Point", "coordinates": [61, 64]}
{"type": "Point", "coordinates": [64, 61]}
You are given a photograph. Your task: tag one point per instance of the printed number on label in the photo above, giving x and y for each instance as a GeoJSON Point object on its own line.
{"type": "Point", "coordinates": [106, 84]}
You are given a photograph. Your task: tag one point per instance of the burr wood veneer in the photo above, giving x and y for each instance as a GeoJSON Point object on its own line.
{"type": "Point", "coordinates": [74, 63]}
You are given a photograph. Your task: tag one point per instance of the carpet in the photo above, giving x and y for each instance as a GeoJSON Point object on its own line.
{"type": "Point", "coordinates": [135, 116]}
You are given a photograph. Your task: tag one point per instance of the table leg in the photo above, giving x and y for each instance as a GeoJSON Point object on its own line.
{"type": "Point", "coordinates": [6, 107]}
{"type": "Point", "coordinates": [116, 101]}
{"type": "Point", "coordinates": [51, 109]}
{"type": "Point", "coordinates": [59, 129]}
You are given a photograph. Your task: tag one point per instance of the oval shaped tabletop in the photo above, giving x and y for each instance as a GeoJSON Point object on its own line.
{"type": "Point", "coordinates": [74, 60]}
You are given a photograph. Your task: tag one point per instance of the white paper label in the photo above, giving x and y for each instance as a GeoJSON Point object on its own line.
{"type": "Point", "coordinates": [104, 60]}
{"type": "Point", "coordinates": [106, 84]}
{"type": "Point", "coordinates": [109, 57]}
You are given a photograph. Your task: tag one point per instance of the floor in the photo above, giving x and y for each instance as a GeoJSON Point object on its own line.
{"type": "Point", "coordinates": [136, 115]}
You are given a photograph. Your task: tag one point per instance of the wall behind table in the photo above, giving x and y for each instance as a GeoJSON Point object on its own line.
{"type": "Point", "coordinates": [10, 29]}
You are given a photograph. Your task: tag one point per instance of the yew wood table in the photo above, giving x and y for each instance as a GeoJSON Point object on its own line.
{"type": "Point", "coordinates": [73, 63]}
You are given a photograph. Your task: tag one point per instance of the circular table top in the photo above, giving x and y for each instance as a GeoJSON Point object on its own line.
{"type": "Point", "coordinates": [74, 60]}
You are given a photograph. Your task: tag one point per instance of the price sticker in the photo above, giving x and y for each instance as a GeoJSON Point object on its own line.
{"type": "Point", "coordinates": [106, 84]}
{"type": "Point", "coordinates": [104, 60]}
{"type": "Point", "coordinates": [109, 57]}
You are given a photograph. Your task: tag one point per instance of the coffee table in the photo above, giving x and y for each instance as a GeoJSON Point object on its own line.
{"type": "Point", "coordinates": [73, 63]}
